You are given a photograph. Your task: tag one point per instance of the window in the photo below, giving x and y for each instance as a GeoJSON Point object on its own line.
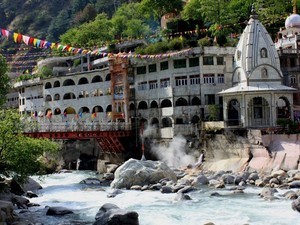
{"type": "Point", "coordinates": [208, 60]}
{"type": "Point", "coordinates": [141, 70]}
{"type": "Point", "coordinates": [220, 78]}
{"type": "Point", "coordinates": [220, 60]}
{"type": "Point", "coordinates": [179, 63]}
{"type": "Point", "coordinates": [264, 73]}
{"type": "Point", "coordinates": [152, 68]}
{"type": "Point", "coordinates": [264, 53]}
{"type": "Point", "coordinates": [153, 84]}
{"type": "Point", "coordinates": [293, 80]}
{"type": "Point", "coordinates": [209, 78]}
{"type": "Point", "coordinates": [165, 83]}
{"type": "Point", "coordinates": [194, 62]}
{"type": "Point", "coordinates": [194, 79]}
{"type": "Point", "coordinates": [209, 99]}
{"type": "Point", "coordinates": [181, 81]}
{"type": "Point", "coordinates": [164, 65]}
{"type": "Point", "coordinates": [142, 86]}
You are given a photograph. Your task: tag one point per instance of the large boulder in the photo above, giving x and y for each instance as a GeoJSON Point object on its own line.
{"type": "Point", "coordinates": [110, 214]}
{"type": "Point", "coordinates": [137, 172]}
{"type": "Point", "coordinates": [6, 212]}
{"type": "Point", "coordinates": [296, 204]}
{"type": "Point", "coordinates": [20, 188]}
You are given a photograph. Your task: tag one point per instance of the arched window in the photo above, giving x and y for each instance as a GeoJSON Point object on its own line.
{"type": "Point", "coordinates": [69, 110]}
{"type": "Point", "coordinates": [84, 110]}
{"type": "Point", "coordinates": [97, 79]}
{"type": "Point", "coordinates": [107, 78]}
{"type": "Point", "coordinates": [155, 122]}
{"type": "Point", "coordinates": [69, 95]}
{"type": "Point", "coordinates": [166, 103]}
{"type": "Point", "coordinates": [56, 97]}
{"type": "Point", "coordinates": [57, 111]}
{"type": "Point", "coordinates": [108, 108]}
{"type": "Point", "coordinates": [181, 102]}
{"type": "Point", "coordinates": [264, 73]}
{"type": "Point", "coordinates": [48, 98]}
{"type": "Point", "coordinates": [263, 53]}
{"type": "Point", "coordinates": [83, 80]}
{"type": "Point", "coordinates": [153, 105]}
{"type": "Point", "coordinates": [196, 101]}
{"type": "Point", "coordinates": [131, 106]}
{"type": "Point", "coordinates": [56, 84]}
{"type": "Point", "coordinates": [97, 109]}
{"type": "Point", "coordinates": [143, 105]}
{"type": "Point", "coordinates": [166, 122]}
{"type": "Point", "coordinates": [68, 82]}
{"type": "Point", "coordinates": [195, 119]}
{"type": "Point", "coordinates": [48, 85]}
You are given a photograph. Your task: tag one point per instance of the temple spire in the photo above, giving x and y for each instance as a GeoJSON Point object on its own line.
{"type": "Point", "coordinates": [294, 6]}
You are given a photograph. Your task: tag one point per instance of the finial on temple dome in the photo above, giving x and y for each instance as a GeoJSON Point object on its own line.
{"type": "Point", "coordinates": [253, 12]}
{"type": "Point", "coordinates": [294, 6]}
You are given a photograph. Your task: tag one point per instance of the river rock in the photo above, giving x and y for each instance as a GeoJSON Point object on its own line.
{"type": "Point", "coordinates": [110, 214]}
{"type": "Point", "coordinates": [6, 212]}
{"type": "Point", "coordinates": [91, 181]}
{"type": "Point", "coordinates": [20, 188]}
{"type": "Point", "coordinates": [136, 172]}
{"type": "Point", "coordinates": [58, 211]}
{"type": "Point", "coordinates": [296, 204]}
{"type": "Point", "coordinates": [114, 193]}
{"type": "Point", "coordinates": [295, 184]}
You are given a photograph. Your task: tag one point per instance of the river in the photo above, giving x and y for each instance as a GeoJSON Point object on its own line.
{"type": "Point", "coordinates": [155, 208]}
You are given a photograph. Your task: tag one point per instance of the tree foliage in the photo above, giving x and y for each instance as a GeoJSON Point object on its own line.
{"type": "Point", "coordinates": [4, 80]}
{"type": "Point", "coordinates": [94, 33]}
{"type": "Point", "coordinates": [19, 154]}
{"type": "Point", "coordinates": [158, 8]}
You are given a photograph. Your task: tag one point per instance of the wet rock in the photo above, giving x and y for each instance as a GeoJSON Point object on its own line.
{"type": "Point", "coordinates": [114, 193]}
{"type": "Point", "coordinates": [155, 187]}
{"type": "Point", "coordinates": [201, 180]}
{"type": "Point", "coordinates": [187, 189]}
{"type": "Point", "coordinates": [267, 192]}
{"type": "Point", "coordinates": [58, 211]}
{"type": "Point", "coordinates": [108, 176]}
{"type": "Point", "coordinates": [182, 197]}
{"type": "Point", "coordinates": [20, 202]}
{"type": "Point", "coordinates": [166, 190]}
{"type": "Point", "coordinates": [238, 179]}
{"type": "Point", "coordinates": [136, 187]}
{"type": "Point", "coordinates": [296, 204]}
{"type": "Point", "coordinates": [20, 188]}
{"type": "Point", "coordinates": [228, 179]}
{"type": "Point", "coordinates": [278, 173]}
{"type": "Point", "coordinates": [290, 195]}
{"type": "Point", "coordinates": [110, 214]}
{"type": "Point", "coordinates": [91, 181]}
{"type": "Point", "coordinates": [6, 212]}
{"type": "Point", "coordinates": [274, 181]}
{"type": "Point", "coordinates": [30, 194]}
{"type": "Point", "coordinates": [253, 176]}
{"type": "Point", "coordinates": [295, 184]}
{"type": "Point", "coordinates": [136, 172]}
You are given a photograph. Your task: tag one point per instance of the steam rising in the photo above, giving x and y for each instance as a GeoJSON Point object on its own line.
{"type": "Point", "coordinates": [173, 153]}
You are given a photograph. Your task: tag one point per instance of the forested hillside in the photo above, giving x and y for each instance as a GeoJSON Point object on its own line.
{"type": "Point", "coordinates": [48, 19]}
{"type": "Point", "coordinates": [93, 23]}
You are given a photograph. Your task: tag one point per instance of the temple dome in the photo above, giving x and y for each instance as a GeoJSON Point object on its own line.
{"type": "Point", "coordinates": [292, 21]}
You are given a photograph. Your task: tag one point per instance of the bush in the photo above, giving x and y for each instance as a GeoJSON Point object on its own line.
{"type": "Point", "coordinates": [206, 41]}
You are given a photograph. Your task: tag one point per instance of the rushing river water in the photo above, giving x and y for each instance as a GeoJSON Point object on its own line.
{"type": "Point", "coordinates": [155, 208]}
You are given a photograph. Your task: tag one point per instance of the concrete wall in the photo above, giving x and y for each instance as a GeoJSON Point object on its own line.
{"type": "Point", "coordinates": [236, 153]}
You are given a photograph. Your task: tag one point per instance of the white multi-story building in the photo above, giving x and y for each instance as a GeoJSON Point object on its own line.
{"type": "Point", "coordinates": [170, 93]}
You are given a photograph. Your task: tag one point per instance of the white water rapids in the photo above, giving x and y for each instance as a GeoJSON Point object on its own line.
{"type": "Point", "coordinates": [155, 208]}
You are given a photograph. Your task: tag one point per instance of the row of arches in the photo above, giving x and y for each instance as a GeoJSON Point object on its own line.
{"type": "Point", "coordinates": [166, 121]}
{"type": "Point", "coordinates": [71, 82]}
{"type": "Point", "coordinates": [258, 111]}
{"type": "Point", "coordinates": [165, 103]}
{"type": "Point", "coordinates": [81, 94]}
{"type": "Point", "coordinates": [84, 109]}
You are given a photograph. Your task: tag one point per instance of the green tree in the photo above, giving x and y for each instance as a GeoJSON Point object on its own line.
{"type": "Point", "coordinates": [158, 8]}
{"type": "Point", "coordinates": [192, 10]}
{"type": "Point", "coordinates": [129, 21]}
{"type": "Point", "coordinates": [4, 80]}
{"type": "Point", "coordinates": [94, 33]}
{"type": "Point", "coordinates": [87, 14]}
{"type": "Point", "coordinates": [19, 154]}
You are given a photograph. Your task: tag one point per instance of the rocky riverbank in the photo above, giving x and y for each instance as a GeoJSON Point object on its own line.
{"type": "Point", "coordinates": [157, 176]}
